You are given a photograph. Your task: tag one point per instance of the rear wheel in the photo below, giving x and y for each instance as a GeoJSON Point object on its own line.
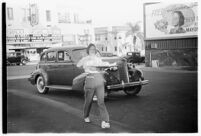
{"type": "Point", "coordinates": [23, 61]}
{"type": "Point", "coordinates": [133, 91]}
{"type": "Point", "coordinates": [40, 83]}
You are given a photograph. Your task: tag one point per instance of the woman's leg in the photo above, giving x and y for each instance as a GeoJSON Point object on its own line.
{"type": "Point", "coordinates": [89, 93]}
{"type": "Point", "coordinates": [100, 92]}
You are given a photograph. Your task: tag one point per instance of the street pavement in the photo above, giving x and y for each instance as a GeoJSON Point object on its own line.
{"type": "Point", "coordinates": [167, 104]}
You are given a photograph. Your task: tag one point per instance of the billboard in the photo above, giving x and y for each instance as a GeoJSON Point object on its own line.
{"type": "Point", "coordinates": [174, 20]}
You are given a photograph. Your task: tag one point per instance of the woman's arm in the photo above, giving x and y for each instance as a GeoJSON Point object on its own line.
{"type": "Point", "coordinates": [81, 62]}
{"type": "Point", "coordinates": [103, 63]}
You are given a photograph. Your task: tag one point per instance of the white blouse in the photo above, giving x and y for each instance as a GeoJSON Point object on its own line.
{"type": "Point", "coordinates": [90, 62]}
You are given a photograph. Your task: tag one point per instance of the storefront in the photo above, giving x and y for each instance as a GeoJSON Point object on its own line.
{"type": "Point", "coordinates": [171, 34]}
{"type": "Point", "coordinates": [32, 45]}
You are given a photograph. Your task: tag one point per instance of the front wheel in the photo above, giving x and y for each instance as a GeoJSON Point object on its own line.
{"type": "Point", "coordinates": [40, 83]}
{"type": "Point", "coordinates": [133, 91]}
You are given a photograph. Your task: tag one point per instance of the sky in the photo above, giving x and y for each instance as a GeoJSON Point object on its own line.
{"type": "Point", "coordinates": [102, 12]}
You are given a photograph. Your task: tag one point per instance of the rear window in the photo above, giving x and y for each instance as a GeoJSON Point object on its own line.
{"type": "Point", "coordinates": [43, 57]}
{"type": "Point", "coordinates": [51, 56]}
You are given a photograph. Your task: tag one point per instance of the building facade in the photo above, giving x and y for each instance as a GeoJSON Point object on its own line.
{"type": "Point", "coordinates": [32, 27]}
{"type": "Point", "coordinates": [114, 40]}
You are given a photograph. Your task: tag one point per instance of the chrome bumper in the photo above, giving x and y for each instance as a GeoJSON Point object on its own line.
{"type": "Point", "coordinates": [127, 85]}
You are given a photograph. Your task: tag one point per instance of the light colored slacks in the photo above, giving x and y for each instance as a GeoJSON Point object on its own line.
{"type": "Point", "coordinates": [94, 84]}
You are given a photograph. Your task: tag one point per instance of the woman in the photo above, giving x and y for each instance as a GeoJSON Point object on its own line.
{"type": "Point", "coordinates": [94, 84]}
{"type": "Point", "coordinates": [177, 22]}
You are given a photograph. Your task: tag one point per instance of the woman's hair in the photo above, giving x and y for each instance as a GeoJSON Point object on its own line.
{"type": "Point", "coordinates": [181, 17]}
{"type": "Point", "coordinates": [90, 45]}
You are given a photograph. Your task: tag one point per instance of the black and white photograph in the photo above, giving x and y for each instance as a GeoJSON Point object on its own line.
{"type": "Point", "coordinates": [99, 66]}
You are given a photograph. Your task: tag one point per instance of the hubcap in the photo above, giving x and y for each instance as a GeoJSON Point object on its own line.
{"type": "Point", "coordinates": [40, 84]}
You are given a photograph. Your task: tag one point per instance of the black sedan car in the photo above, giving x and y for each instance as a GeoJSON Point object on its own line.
{"type": "Point", "coordinates": [57, 69]}
{"type": "Point", "coordinates": [16, 58]}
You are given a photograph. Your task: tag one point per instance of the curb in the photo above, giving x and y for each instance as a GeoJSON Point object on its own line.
{"type": "Point", "coordinates": [165, 70]}
{"type": "Point", "coordinates": [17, 77]}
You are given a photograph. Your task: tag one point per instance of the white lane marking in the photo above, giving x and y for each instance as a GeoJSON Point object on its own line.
{"type": "Point", "coordinates": [17, 77]}
{"type": "Point", "coordinates": [115, 125]}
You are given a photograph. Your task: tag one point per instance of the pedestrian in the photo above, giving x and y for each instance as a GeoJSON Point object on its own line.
{"type": "Point", "coordinates": [94, 84]}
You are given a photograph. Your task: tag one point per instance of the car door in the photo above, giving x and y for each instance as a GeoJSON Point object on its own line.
{"type": "Point", "coordinates": [51, 66]}
{"type": "Point", "coordinates": [64, 73]}
{"type": "Point", "coordinates": [77, 55]}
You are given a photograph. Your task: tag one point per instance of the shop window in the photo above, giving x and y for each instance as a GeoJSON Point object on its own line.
{"type": "Point", "coordinates": [10, 13]}
{"type": "Point", "coordinates": [48, 15]}
{"type": "Point", "coordinates": [115, 48]}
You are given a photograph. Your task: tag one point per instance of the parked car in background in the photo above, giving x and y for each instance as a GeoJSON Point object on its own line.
{"type": "Point", "coordinates": [107, 54]}
{"type": "Point", "coordinates": [135, 57]}
{"type": "Point", "coordinates": [57, 69]}
{"type": "Point", "coordinates": [16, 58]}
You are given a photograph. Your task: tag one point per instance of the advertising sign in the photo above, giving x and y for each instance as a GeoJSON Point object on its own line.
{"type": "Point", "coordinates": [34, 17]}
{"type": "Point", "coordinates": [164, 20]}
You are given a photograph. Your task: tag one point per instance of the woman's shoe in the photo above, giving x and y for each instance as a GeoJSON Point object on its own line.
{"type": "Point", "coordinates": [95, 98]}
{"type": "Point", "coordinates": [87, 120]}
{"type": "Point", "coordinates": [105, 124]}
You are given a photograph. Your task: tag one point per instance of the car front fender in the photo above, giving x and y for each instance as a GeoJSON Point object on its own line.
{"type": "Point", "coordinates": [135, 74]}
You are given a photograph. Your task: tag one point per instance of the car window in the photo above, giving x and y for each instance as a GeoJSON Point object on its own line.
{"type": "Point", "coordinates": [51, 56]}
{"type": "Point", "coordinates": [63, 56]}
{"type": "Point", "coordinates": [43, 57]}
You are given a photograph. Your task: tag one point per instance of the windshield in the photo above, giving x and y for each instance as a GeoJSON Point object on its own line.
{"type": "Point", "coordinates": [79, 54]}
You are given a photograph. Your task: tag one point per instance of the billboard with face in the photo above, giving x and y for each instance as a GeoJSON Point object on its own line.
{"type": "Point", "coordinates": [164, 20]}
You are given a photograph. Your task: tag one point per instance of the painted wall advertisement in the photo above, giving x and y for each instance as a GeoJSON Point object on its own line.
{"type": "Point", "coordinates": [164, 20]}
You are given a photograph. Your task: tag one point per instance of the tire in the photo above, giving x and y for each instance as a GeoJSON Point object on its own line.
{"type": "Point", "coordinates": [133, 91]}
{"type": "Point", "coordinates": [23, 62]}
{"type": "Point", "coordinates": [40, 84]}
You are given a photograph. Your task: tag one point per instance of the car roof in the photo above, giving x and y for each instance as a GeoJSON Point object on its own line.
{"type": "Point", "coordinates": [68, 47]}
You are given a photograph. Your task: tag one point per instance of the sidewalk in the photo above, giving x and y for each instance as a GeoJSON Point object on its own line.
{"type": "Point", "coordinates": [172, 69]}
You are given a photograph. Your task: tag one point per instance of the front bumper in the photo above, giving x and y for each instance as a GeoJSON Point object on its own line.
{"type": "Point", "coordinates": [127, 85]}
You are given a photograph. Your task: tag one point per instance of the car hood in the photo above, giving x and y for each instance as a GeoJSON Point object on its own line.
{"type": "Point", "coordinates": [112, 59]}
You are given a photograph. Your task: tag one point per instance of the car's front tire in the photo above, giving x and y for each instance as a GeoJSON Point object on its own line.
{"type": "Point", "coordinates": [40, 83]}
{"type": "Point", "coordinates": [133, 91]}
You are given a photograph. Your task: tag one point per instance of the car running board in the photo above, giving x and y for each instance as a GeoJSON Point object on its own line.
{"type": "Point", "coordinates": [64, 87]}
